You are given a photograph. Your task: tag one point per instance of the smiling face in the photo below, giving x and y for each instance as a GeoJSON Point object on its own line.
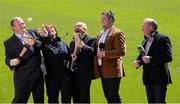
{"type": "Point", "coordinates": [51, 30]}
{"type": "Point", "coordinates": [18, 25]}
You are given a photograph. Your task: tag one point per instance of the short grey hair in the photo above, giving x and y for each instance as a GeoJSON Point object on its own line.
{"type": "Point", "coordinates": [15, 19]}
{"type": "Point", "coordinates": [82, 24]}
{"type": "Point", "coordinates": [151, 22]}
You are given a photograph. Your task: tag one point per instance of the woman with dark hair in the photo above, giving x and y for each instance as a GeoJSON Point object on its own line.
{"type": "Point", "coordinates": [56, 56]}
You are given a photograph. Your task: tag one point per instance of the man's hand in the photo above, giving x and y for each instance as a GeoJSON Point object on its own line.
{"type": "Point", "coordinates": [14, 62]}
{"type": "Point", "coordinates": [43, 31]}
{"type": "Point", "coordinates": [101, 54]}
{"type": "Point", "coordinates": [29, 41]}
{"type": "Point", "coordinates": [136, 64]}
{"type": "Point", "coordinates": [146, 59]}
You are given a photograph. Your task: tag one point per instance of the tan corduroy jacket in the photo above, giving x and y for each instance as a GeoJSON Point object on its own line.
{"type": "Point", "coordinates": [115, 48]}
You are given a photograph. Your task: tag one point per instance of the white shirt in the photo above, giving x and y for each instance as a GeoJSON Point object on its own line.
{"type": "Point", "coordinates": [148, 45]}
{"type": "Point", "coordinates": [103, 37]}
{"type": "Point", "coordinates": [20, 37]}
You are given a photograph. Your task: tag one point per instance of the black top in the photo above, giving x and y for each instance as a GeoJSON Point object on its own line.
{"type": "Point", "coordinates": [56, 55]}
{"type": "Point", "coordinates": [157, 71]}
{"type": "Point", "coordinates": [85, 58]}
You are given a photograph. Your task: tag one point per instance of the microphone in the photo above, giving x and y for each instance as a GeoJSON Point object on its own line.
{"type": "Point", "coordinates": [141, 50]}
{"type": "Point", "coordinates": [101, 48]}
{"type": "Point", "coordinates": [65, 35]}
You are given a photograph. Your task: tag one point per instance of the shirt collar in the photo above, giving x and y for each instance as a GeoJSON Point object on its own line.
{"type": "Point", "coordinates": [107, 30]}
{"type": "Point", "coordinates": [150, 39]}
{"type": "Point", "coordinates": [18, 35]}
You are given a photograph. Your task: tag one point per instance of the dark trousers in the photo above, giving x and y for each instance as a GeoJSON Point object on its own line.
{"type": "Point", "coordinates": [111, 89]}
{"type": "Point", "coordinates": [81, 90]}
{"type": "Point", "coordinates": [56, 83]}
{"type": "Point", "coordinates": [23, 89]}
{"type": "Point", "coordinates": [156, 93]}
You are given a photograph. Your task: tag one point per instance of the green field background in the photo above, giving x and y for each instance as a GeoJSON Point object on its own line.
{"type": "Point", "coordinates": [129, 17]}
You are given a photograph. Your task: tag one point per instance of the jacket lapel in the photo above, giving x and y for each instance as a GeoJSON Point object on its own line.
{"type": "Point", "coordinates": [152, 46]}
{"type": "Point", "coordinates": [100, 34]}
{"type": "Point", "coordinates": [109, 34]}
{"type": "Point", "coordinates": [98, 37]}
{"type": "Point", "coordinates": [17, 41]}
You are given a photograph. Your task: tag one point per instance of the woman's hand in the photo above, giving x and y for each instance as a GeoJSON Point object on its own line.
{"type": "Point", "coordinates": [43, 31]}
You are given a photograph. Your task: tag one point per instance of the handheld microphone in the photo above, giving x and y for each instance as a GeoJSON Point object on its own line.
{"type": "Point", "coordinates": [101, 48]}
{"type": "Point", "coordinates": [141, 50]}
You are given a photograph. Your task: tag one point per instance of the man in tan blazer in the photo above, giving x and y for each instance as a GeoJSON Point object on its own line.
{"type": "Point", "coordinates": [108, 62]}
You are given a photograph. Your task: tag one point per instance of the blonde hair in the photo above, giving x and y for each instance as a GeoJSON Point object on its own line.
{"type": "Point", "coordinates": [82, 24]}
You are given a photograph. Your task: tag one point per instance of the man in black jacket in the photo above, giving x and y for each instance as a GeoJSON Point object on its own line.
{"type": "Point", "coordinates": [24, 59]}
{"type": "Point", "coordinates": [82, 49]}
{"type": "Point", "coordinates": [156, 53]}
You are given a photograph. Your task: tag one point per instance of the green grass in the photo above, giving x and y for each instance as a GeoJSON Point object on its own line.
{"type": "Point", "coordinates": [130, 14]}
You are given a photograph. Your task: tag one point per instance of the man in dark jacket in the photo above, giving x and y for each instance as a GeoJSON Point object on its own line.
{"type": "Point", "coordinates": [24, 59]}
{"type": "Point", "coordinates": [82, 49]}
{"type": "Point", "coordinates": [155, 54]}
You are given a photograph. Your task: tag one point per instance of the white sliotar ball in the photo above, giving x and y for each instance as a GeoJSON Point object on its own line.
{"type": "Point", "coordinates": [29, 20]}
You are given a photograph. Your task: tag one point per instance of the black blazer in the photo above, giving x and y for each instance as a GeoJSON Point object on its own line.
{"type": "Point", "coordinates": [29, 66]}
{"type": "Point", "coordinates": [157, 71]}
{"type": "Point", "coordinates": [85, 58]}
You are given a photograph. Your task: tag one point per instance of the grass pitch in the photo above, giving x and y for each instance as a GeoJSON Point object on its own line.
{"type": "Point", "coordinates": [129, 16]}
